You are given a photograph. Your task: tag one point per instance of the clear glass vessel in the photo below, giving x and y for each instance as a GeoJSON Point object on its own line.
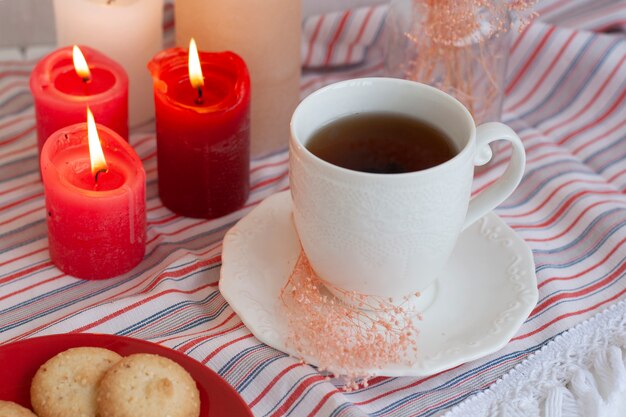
{"type": "Point", "coordinates": [460, 47]}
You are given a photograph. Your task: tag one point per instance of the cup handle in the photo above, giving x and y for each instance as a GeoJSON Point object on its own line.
{"type": "Point", "coordinates": [504, 186]}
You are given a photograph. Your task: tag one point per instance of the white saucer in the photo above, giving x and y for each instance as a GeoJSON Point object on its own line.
{"type": "Point", "coordinates": [484, 295]}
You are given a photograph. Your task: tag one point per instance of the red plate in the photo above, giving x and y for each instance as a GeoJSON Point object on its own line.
{"type": "Point", "coordinates": [20, 360]}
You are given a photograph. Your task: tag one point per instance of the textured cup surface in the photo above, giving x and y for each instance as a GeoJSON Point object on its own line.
{"type": "Point", "coordinates": [383, 234]}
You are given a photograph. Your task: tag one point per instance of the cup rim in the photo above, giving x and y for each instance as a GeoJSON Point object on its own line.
{"type": "Point", "coordinates": [304, 151]}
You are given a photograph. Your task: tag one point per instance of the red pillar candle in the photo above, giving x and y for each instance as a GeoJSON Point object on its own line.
{"type": "Point", "coordinates": [96, 217]}
{"type": "Point", "coordinates": [203, 133]}
{"type": "Point", "coordinates": [61, 94]}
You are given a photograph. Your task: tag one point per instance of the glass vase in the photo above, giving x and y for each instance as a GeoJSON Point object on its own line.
{"type": "Point", "coordinates": [456, 46]}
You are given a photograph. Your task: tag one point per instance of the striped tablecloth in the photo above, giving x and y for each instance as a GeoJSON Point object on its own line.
{"type": "Point", "coordinates": [566, 97]}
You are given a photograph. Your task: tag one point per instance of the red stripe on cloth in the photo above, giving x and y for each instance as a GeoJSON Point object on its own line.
{"type": "Point", "coordinates": [135, 305]}
{"type": "Point", "coordinates": [21, 201]}
{"type": "Point", "coordinates": [19, 83]}
{"type": "Point", "coordinates": [544, 144]}
{"type": "Point", "coordinates": [597, 121]}
{"type": "Point", "coordinates": [30, 287]}
{"type": "Point", "coordinates": [6, 155]}
{"type": "Point", "coordinates": [274, 164]}
{"type": "Point", "coordinates": [316, 32]}
{"type": "Point", "coordinates": [564, 205]}
{"type": "Point", "coordinates": [193, 342]}
{"type": "Point", "coordinates": [586, 271]}
{"type": "Point", "coordinates": [181, 272]}
{"type": "Point", "coordinates": [26, 255]}
{"type": "Point", "coordinates": [567, 202]}
{"type": "Point", "coordinates": [21, 186]}
{"type": "Point", "coordinates": [545, 74]}
{"type": "Point", "coordinates": [271, 384]}
{"type": "Point", "coordinates": [359, 36]}
{"type": "Point", "coordinates": [345, 75]}
{"type": "Point", "coordinates": [156, 206]}
{"type": "Point", "coordinates": [18, 136]}
{"type": "Point", "coordinates": [26, 271]}
{"type": "Point", "coordinates": [175, 232]}
{"type": "Point", "coordinates": [224, 346]}
{"type": "Point", "coordinates": [519, 39]}
{"type": "Point", "coordinates": [188, 335]}
{"type": "Point", "coordinates": [164, 220]}
{"type": "Point", "coordinates": [590, 102]}
{"type": "Point", "coordinates": [603, 135]}
{"type": "Point", "coordinates": [142, 141]}
{"type": "Point", "coordinates": [484, 385]}
{"type": "Point", "coordinates": [15, 120]}
{"type": "Point", "coordinates": [21, 215]}
{"type": "Point", "coordinates": [321, 402]}
{"type": "Point", "coordinates": [617, 175]}
{"type": "Point", "coordinates": [571, 314]}
{"type": "Point", "coordinates": [530, 148]}
{"type": "Point", "coordinates": [555, 217]}
{"type": "Point", "coordinates": [89, 306]}
{"type": "Point", "coordinates": [149, 156]}
{"type": "Point", "coordinates": [529, 61]}
{"type": "Point", "coordinates": [538, 158]}
{"type": "Point", "coordinates": [414, 384]}
{"type": "Point", "coordinates": [160, 277]}
{"type": "Point", "coordinates": [21, 63]}
{"type": "Point", "coordinates": [16, 73]}
{"type": "Point", "coordinates": [80, 304]}
{"type": "Point", "coordinates": [297, 393]}
{"type": "Point", "coordinates": [268, 181]}
{"type": "Point", "coordinates": [337, 36]}
{"type": "Point", "coordinates": [159, 327]}
{"type": "Point", "coordinates": [576, 294]}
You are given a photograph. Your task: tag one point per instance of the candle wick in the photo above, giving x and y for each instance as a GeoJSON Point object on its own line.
{"type": "Point", "coordinates": [86, 82]}
{"type": "Point", "coordinates": [101, 171]}
{"type": "Point", "coordinates": [199, 100]}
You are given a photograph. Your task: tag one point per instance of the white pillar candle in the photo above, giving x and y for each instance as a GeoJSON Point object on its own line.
{"type": "Point", "coordinates": [266, 34]}
{"type": "Point", "coordinates": [128, 31]}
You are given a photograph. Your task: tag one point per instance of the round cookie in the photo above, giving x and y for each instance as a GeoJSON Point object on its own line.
{"type": "Point", "coordinates": [10, 409]}
{"type": "Point", "coordinates": [144, 385]}
{"type": "Point", "coordinates": [66, 385]}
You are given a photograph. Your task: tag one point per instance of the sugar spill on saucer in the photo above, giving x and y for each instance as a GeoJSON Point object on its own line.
{"type": "Point", "coordinates": [11, 409]}
{"type": "Point", "coordinates": [66, 385]}
{"type": "Point", "coordinates": [145, 385]}
{"type": "Point", "coordinates": [381, 143]}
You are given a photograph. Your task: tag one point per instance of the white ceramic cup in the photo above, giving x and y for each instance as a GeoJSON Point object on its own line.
{"type": "Point", "coordinates": [390, 235]}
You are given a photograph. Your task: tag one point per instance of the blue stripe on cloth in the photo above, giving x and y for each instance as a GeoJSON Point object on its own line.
{"type": "Point", "coordinates": [558, 188]}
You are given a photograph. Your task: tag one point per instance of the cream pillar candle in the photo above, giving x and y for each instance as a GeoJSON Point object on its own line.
{"type": "Point", "coordinates": [128, 31]}
{"type": "Point", "coordinates": [267, 35]}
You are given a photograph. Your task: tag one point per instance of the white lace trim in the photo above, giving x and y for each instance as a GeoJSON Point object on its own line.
{"type": "Point", "coordinates": [581, 373]}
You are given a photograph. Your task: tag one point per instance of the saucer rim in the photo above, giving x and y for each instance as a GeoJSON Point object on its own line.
{"type": "Point", "coordinates": [396, 369]}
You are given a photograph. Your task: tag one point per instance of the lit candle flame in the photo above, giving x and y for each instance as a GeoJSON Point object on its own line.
{"type": "Point", "coordinates": [80, 65]}
{"type": "Point", "coordinates": [195, 71]}
{"type": "Point", "coordinates": [98, 163]}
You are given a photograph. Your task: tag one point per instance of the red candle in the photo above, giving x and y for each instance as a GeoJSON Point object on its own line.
{"type": "Point", "coordinates": [96, 210]}
{"type": "Point", "coordinates": [203, 133]}
{"type": "Point", "coordinates": [63, 91]}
